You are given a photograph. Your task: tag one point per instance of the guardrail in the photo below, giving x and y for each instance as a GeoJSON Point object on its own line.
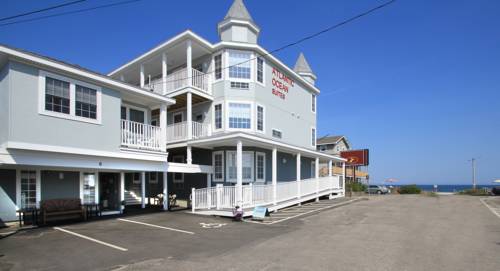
{"type": "Point", "coordinates": [179, 79]}
{"type": "Point", "coordinates": [140, 135]}
{"type": "Point", "coordinates": [179, 131]}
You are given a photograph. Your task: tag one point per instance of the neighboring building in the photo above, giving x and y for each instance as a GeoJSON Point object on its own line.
{"type": "Point", "coordinates": [236, 116]}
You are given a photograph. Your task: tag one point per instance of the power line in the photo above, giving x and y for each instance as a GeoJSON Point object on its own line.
{"type": "Point", "coordinates": [72, 12]}
{"type": "Point", "coordinates": [41, 10]}
{"type": "Point", "coordinates": [344, 22]}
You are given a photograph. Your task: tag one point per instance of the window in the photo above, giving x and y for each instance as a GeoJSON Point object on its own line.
{"type": "Point", "coordinates": [240, 116]}
{"type": "Point", "coordinates": [218, 166]}
{"type": "Point", "coordinates": [277, 133]}
{"type": "Point", "coordinates": [322, 148]}
{"type": "Point", "coordinates": [239, 65]}
{"type": "Point", "coordinates": [178, 177]}
{"type": "Point", "coordinates": [218, 66]}
{"type": "Point", "coordinates": [28, 189]}
{"type": "Point", "coordinates": [313, 137]}
{"type": "Point", "coordinates": [247, 169]}
{"type": "Point", "coordinates": [153, 177]}
{"type": "Point", "coordinates": [123, 113]}
{"type": "Point", "coordinates": [313, 103]}
{"type": "Point", "coordinates": [56, 95]}
{"type": "Point", "coordinates": [240, 85]}
{"type": "Point", "coordinates": [85, 102]}
{"type": "Point", "coordinates": [260, 70]}
{"type": "Point", "coordinates": [136, 178]}
{"type": "Point", "coordinates": [260, 166]}
{"type": "Point", "coordinates": [260, 118]}
{"type": "Point", "coordinates": [218, 116]}
{"type": "Point", "coordinates": [89, 184]}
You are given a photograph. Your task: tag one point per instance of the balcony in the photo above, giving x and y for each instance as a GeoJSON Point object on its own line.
{"type": "Point", "coordinates": [179, 131]}
{"type": "Point", "coordinates": [179, 80]}
{"type": "Point", "coordinates": [141, 136]}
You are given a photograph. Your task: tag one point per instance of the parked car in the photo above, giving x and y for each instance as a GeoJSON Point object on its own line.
{"type": "Point", "coordinates": [495, 191]}
{"type": "Point", "coordinates": [377, 189]}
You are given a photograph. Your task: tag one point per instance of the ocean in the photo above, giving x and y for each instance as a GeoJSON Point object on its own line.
{"type": "Point", "coordinates": [448, 187]}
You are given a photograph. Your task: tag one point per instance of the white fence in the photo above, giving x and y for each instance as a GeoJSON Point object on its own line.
{"type": "Point", "coordinates": [140, 135]}
{"type": "Point", "coordinates": [226, 197]}
{"type": "Point", "coordinates": [178, 80]}
{"type": "Point", "coordinates": [179, 131]}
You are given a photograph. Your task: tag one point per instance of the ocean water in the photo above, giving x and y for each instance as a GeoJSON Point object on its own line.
{"type": "Point", "coordinates": [448, 187]}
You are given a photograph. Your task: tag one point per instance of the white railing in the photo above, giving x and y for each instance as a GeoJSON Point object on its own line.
{"type": "Point", "coordinates": [179, 131]}
{"type": "Point", "coordinates": [225, 197]}
{"type": "Point", "coordinates": [178, 80]}
{"type": "Point", "coordinates": [141, 136]}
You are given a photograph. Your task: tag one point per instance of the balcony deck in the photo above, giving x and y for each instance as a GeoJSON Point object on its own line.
{"type": "Point", "coordinates": [141, 136]}
{"type": "Point", "coordinates": [179, 80]}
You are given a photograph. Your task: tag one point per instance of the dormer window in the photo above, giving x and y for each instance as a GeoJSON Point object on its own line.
{"type": "Point", "coordinates": [239, 65]}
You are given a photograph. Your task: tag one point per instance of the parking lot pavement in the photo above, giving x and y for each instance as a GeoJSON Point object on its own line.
{"type": "Point", "coordinates": [493, 204]}
{"type": "Point", "coordinates": [382, 233]}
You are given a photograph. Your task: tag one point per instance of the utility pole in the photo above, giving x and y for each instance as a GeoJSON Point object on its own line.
{"type": "Point", "coordinates": [473, 160]}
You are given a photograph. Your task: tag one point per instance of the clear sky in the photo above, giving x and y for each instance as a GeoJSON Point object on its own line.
{"type": "Point", "coordinates": [418, 83]}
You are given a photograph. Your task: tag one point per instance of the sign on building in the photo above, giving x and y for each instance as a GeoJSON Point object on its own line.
{"type": "Point", "coordinates": [356, 157]}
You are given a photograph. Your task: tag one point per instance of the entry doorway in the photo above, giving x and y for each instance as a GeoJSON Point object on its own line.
{"type": "Point", "coordinates": [109, 191]}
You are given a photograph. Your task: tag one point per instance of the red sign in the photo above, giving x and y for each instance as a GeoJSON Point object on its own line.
{"type": "Point", "coordinates": [281, 83]}
{"type": "Point", "coordinates": [356, 157]}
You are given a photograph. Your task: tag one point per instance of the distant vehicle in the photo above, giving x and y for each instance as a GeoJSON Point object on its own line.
{"type": "Point", "coordinates": [495, 191]}
{"type": "Point", "coordinates": [377, 189]}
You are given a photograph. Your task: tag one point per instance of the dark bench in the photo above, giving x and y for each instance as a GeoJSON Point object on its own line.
{"type": "Point", "coordinates": [60, 209]}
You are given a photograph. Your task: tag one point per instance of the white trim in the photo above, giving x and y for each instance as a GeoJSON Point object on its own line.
{"type": "Point", "coordinates": [251, 64]}
{"type": "Point", "coordinates": [90, 75]}
{"type": "Point", "coordinates": [263, 118]}
{"type": "Point", "coordinates": [38, 187]}
{"type": "Point", "coordinates": [215, 129]}
{"type": "Point", "coordinates": [185, 168]}
{"type": "Point", "coordinates": [221, 54]}
{"type": "Point", "coordinates": [314, 97]}
{"type": "Point", "coordinates": [138, 108]}
{"type": "Point", "coordinates": [251, 103]}
{"type": "Point", "coordinates": [181, 180]}
{"type": "Point", "coordinates": [72, 100]}
{"type": "Point", "coordinates": [263, 154]}
{"type": "Point", "coordinates": [277, 130]}
{"type": "Point", "coordinates": [251, 25]}
{"type": "Point", "coordinates": [180, 112]}
{"type": "Point", "coordinates": [263, 83]}
{"type": "Point", "coordinates": [213, 165]}
{"type": "Point", "coordinates": [313, 142]}
{"type": "Point", "coordinates": [252, 178]}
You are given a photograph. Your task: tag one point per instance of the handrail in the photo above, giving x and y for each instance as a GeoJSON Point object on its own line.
{"type": "Point", "coordinates": [140, 135]}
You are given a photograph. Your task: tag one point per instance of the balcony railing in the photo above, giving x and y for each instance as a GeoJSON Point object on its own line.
{"type": "Point", "coordinates": [141, 136]}
{"type": "Point", "coordinates": [179, 131]}
{"type": "Point", "coordinates": [179, 79]}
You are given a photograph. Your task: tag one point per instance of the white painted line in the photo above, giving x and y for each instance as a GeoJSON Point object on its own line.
{"type": "Point", "coordinates": [489, 207]}
{"type": "Point", "coordinates": [319, 209]}
{"type": "Point", "coordinates": [154, 226]}
{"type": "Point", "coordinates": [91, 239]}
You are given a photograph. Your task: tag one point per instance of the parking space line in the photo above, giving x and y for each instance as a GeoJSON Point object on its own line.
{"type": "Point", "coordinates": [489, 207]}
{"type": "Point", "coordinates": [91, 239]}
{"type": "Point", "coordinates": [154, 226]}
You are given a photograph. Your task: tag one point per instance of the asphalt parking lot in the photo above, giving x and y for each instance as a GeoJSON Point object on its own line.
{"type": "Point", "coordinates": [382, 233]}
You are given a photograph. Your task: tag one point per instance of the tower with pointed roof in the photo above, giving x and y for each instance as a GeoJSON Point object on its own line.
{"type": "Point", "coordinates": [303, 69]}
{"type": "Point", "coordinates": [238, 25]}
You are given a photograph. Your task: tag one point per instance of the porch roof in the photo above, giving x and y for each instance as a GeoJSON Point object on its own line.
{"type": "Point", "coordinates": [258, 141]}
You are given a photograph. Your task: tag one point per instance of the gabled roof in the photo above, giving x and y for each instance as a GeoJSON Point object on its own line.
{"type": "Point", "coordinates": [329, 140]}
{"type": "Point", "coordinates": [301, 66]}
{"type": "Point", "coordinates": [238, 10]}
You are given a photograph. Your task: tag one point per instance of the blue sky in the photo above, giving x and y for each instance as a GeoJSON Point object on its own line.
{"type": "Point", "coordinates": [418, 83]}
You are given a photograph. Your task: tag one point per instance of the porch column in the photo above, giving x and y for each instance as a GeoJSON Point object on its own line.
{"type": "Point", "coordinates": [189, 155]}
{"type": "Point", "coordinates": [165, 191]}
{"type": "Point", "coordinates": [299, 192]}
{"type": "Point", "coordinates": [189, 63]}
{"type": "Point", "coordinates": [275, 174]}
{"type": "Point", "coordinates": [122, 189]}
{"type": "Point", "coordinates": [163, 127]}
{"type": "Point", "coordinates": [143, 189]}
{"type": "Point", "coordinates": [164, 72]}
{"type": "Point", "coordinates": [239, 172]}
{"type": "Point", "coordinates": [316, 175]}
{"type": "Point", "coordinates": [330, 167]}
{"type": "Point", "coordinates": [209, 195]}
{"type": "Point", "coordinates": [189, 117]}
{"type": "Point", "coordinates": [142, 75]}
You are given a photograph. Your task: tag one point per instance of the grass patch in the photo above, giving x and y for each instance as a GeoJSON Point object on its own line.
{"type": "Point", "coordinates": [410, 189]}
{"type": "Point", "coordinates": [474, 192]}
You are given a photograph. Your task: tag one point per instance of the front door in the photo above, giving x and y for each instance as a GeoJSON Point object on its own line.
{"type": "Point", "coordinates": [109, 191]}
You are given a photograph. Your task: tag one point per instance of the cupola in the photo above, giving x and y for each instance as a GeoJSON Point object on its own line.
{"type": "Point", "coordinates": [238, 25]}
{"type": "Point", "coordinates": [303, 69]}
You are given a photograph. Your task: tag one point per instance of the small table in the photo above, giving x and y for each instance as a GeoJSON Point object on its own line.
{"type": "Point", "coordinates": [22, 216]}
{"type": "Point", "coordinates": [92, 209]}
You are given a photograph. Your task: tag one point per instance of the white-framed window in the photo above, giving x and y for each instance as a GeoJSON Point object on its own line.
{"type": "Point", "coordinates": [218, 116]}
{"type": "Point", "coordinates": [28, 189]}
{"type": "Point", "coordinates": [218, 67]}
{"type": "Point", "coordinates": [260, 70]}
{"type": "Point", "coordinates": [313, 136]}
{"type": "Point", "coordinates": [313, 103]}
{"type": "Point", "coordinates": [240, 85]}
{"type": "Point", "coordinates": [178, 177]}
{"type": "Point", "coordinates": [239, 115]}
{"type": "Point", "coordinates": [89, 188]}
{"type": "Point", "coordinates": [260, 166]}
{"type": "Point", "coordinates": [248, 166]}
{"type": "Point", "coordinates": [277, 134]}
{"type": "Point", "coordinates": [218, 164]}
{"type": "Point", "coordinates": [136, 178]}
{"type": "Point", "coordinates": [240, 66]}
{"type": "Point", "coordinates": [260, 118]}
{"type": "Point", "coordinates": [67, 98]}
